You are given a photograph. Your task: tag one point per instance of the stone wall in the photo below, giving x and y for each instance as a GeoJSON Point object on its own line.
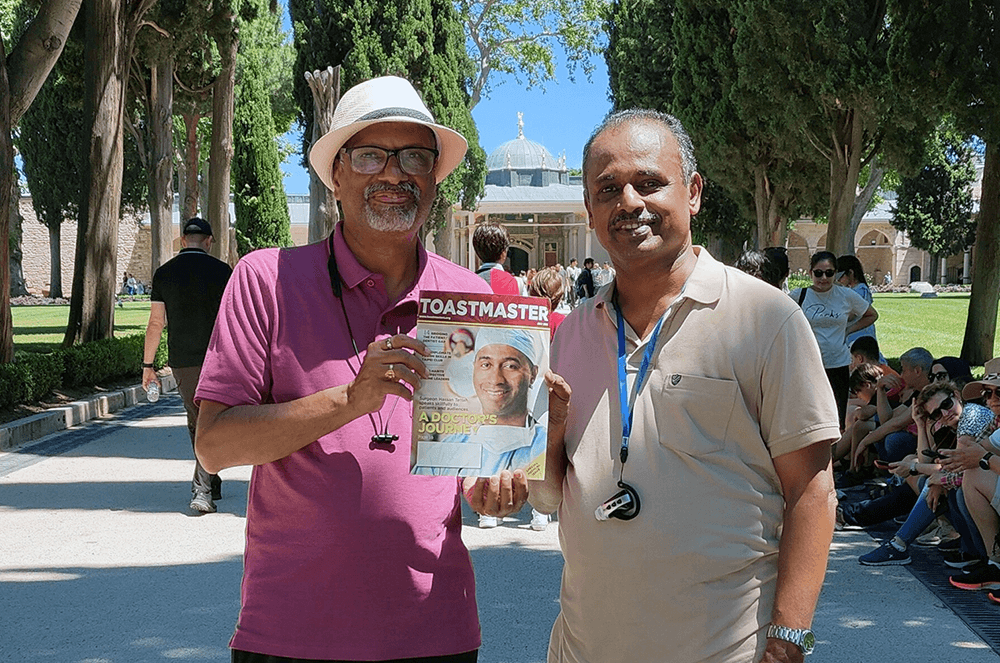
{"type": "Point", "coordinates": [134, 246]}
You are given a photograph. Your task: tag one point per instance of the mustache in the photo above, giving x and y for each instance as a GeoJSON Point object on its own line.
{"type": "Point", "coordinates": [402, 187]}
{"type": "Point", "coordinates": [643, 217]}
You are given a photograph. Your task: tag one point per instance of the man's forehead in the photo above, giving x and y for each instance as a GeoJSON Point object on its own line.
{"type": "Point", "coordinates": [385, 133]}
{"type": "Point", "coordinates": [647, 146]}
{"type": "Point", "coordinates": [500, 350]}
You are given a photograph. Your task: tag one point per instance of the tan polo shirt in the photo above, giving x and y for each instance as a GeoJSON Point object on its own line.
{"type": "Point", "coordinates": [736, 380]}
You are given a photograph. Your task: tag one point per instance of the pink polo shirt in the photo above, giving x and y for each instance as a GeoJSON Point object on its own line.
{"type": "Point", "coordinates": [348, 556]}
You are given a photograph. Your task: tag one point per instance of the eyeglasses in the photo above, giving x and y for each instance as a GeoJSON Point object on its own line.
{"type": "Point", "coordinates": [369, 159]}
{"type": "Point", "coordinates": [946, 405]}
{"type": "Point", "coordinates": [819, 273]}
{"type": "Point", "coordinates": [990, 393]}
{"type": "Point", "coordinates": [942, 375]}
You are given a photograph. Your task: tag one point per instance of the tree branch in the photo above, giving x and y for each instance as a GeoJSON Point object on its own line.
{"type": "Point", "coordinates": [31, 60]}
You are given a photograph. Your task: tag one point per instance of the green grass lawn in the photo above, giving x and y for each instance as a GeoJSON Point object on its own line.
{"type": "Point", "coordinates": [905, 321]}
{"type": "Point", "coordinates": [41, 328]}
{"type": "Point", "coordinates": [938, 324]}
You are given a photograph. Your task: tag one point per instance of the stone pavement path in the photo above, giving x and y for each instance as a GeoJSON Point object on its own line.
{"type": "Point", "coordinates": [100, 562]}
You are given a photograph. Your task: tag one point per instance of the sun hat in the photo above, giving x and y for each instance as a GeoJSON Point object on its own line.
{"type": "Point", "coordinates": [385, 99]}
{"type": "Point", "coordinates": [974, 389]}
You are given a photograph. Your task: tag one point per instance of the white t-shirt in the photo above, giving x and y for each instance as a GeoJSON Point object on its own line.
{"type": "Point", "coordinates": [829, 314]}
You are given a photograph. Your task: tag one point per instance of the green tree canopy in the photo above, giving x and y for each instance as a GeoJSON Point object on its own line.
{"type": "Point", "coordinates": [935, 205]}
{"type": "Point", "coordinates": [420, 40]}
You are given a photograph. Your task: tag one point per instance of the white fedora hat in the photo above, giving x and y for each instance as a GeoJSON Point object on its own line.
{"type": "Point", "coordinates": [385, 99]}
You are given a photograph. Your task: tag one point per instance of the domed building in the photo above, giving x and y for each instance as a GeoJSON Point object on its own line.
{"type": "Point", "coordinates": [535, 197]}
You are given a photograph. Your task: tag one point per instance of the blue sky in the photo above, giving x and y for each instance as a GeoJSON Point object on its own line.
{"type": "Point", "coordinates": [560, 117]}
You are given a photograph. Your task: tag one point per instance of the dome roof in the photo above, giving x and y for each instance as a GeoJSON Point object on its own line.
{"type": "Point", "coordinates": [520, 153]}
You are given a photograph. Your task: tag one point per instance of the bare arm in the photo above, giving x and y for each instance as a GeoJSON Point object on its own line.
{"type": "Point", "coordinates": [258, 434]}
{"type": "Point", "coordinates": [546, 495]}
{"type": "Point", "coordinates": [154, 331]}
{"type": "Point", "coordinates": [810, 505]}
{"type": "Point", "coordinates": [869, 318]}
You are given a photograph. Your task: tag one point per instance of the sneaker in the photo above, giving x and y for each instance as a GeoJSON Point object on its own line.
{"type": "Point", "coordinates": [899, 520]}
{"type": "Point", "coordinates": [202, 503]}
{"type": "Point", "coordinates": [985, 577]}
{"type": "Point", "coordinates": [885, 555]}
{"type": "Point", "coordinates": [943, 532]}
{"type": "Point", "coordinates": [950, 544]}
{"type": "Point", "coordinates": [488, 522]}
{"type": "Point", "coordinates": [994, 597]}
{"type": "Point", "coordinates": [957, 559]}
{"type": "Point", "coordinates": [539, 521]}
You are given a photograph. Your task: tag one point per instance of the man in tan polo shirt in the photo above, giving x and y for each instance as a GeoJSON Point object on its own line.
{"type": "Point", "coordinates": [696, 520]}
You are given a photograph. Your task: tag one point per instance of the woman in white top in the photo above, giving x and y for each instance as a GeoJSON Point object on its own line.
{"type": "Point", "coordinates": [833, 312]}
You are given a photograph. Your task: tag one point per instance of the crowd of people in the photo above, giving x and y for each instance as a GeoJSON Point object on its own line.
{"type": "Point", "coordinates": [917, 446]}
{"type": "Point", "coordinates": [707, 379]}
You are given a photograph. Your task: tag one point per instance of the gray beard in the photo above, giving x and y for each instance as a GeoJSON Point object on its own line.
{"type": "Point", "coordinates": [394, 219]}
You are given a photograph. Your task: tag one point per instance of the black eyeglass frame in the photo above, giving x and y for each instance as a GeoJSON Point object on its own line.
{"type": "Point", "coordinates": [349, 151]}
{"type": "Point", "coordinates": [988, 393]}
{"type": "Point", "coordinates": [940, 375]}
{"type": "Point", "coordinates": [828, 273]}
{"type": "Point", "coordinates": [946, 405]}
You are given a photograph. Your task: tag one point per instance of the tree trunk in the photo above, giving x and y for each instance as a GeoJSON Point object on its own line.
{"type": "Point", "coordinates": [772, 230]}
{"type": "Point", "coordinates": [161, 128]}
{"type": "Point", "coordinates": [192, 162]}
{"type": "Point", "coordinates": [7, 184]}
{"type": "Point", "coordinates": [323, 214]}
{"type": "Point", "coordinates": [221, 153]}
{"type": "Point", "coordinates": [55, 261]}
{"type": "Point", "coordinates": [28, 66]}
{"type": "Point", "coordinates": [980, 327]}
{"type": "Point", "coordinates": [37, 51]}
{"type": "Point", "coordinates": [18, 286]}
{"type": "Point", "coordinates": [91, 311]}
{"type": "Point", "coordinates": [845, 169]}
{"type": "Point", "coordinates": [864, 199]}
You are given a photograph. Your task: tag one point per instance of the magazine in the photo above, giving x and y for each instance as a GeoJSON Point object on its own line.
{"type": "Point", "coordinates": [484, 406]}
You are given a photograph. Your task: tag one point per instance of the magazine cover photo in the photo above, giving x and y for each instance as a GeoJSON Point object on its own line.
{"type": "Point", "coordinates": [484, 407]}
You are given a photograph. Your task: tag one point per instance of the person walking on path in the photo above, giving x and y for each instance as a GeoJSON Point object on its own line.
{"type": "Point", "coordinates": [308, 378]}
{"type": "Point", "coordinates": [691, 464]}
{"type": "Point", "coordinates": [186, 293]}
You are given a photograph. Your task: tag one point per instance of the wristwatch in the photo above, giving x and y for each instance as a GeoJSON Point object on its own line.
{"type": "Point", "coordinates": [145, 365]}
{"type": "Point", "coordinates": [803, 638]}
{"type": "Point", "coordinates": [984, 462]}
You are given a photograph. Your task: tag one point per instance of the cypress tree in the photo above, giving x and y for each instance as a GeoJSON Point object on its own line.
{"type": "Point", "coordinates": [261, 207]}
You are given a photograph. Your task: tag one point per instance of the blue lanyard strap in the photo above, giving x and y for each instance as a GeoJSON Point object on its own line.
{"type": "Point", "coordinates": [623, 396]}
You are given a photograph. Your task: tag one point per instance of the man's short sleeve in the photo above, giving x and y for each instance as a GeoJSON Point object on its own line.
{"type": "Point", "coordinates": [797, 404]}
{"type": "Point", "coordinates": [156, 289]}
{"type": "Point", "coordinates": [237, 367]}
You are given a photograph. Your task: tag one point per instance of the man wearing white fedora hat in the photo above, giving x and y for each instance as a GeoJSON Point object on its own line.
{"type": "Point", "coordinates": [348, 557]}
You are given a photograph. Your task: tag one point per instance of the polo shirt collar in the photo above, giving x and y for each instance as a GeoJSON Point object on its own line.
{"type": "Point", "coordinates": [704, 285]}
{"type": "Point", "coordinates": [353, 273]}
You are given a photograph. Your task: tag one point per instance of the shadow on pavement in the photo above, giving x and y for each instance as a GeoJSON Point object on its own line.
{"type": "Point", "coordinates": [130, 614]}
{"type": "Point", "coordinates": [137, 496]}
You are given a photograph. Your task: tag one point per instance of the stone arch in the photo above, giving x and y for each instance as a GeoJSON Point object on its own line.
{"type": "Point", "coordinates": [914, 273]}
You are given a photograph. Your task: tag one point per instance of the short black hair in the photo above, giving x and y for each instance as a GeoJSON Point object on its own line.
{"type": "Point", "coordinates": [588, 261]}
{"type": "Point", "coordinates": [867, 347]}
{"type": "Point", "coordinates": [490, 240]}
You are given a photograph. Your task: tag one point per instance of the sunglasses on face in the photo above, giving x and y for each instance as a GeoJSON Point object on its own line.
{"type": "Point", "coordinates": [990, 393]}
{"type": "Point", "coordinates": [943, 375]}
{"type": "Point", "coordinates": [820, 273]}
{"type": "Point", "coordinates": [946, 405]}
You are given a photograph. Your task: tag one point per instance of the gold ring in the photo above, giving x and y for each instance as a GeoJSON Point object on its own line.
{"type": "Point", "coordinates": [388, 345]}
{"type": "Point", "coordinates": [390, 374]}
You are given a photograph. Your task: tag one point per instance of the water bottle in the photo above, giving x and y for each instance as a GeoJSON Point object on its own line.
{"type": "Point", "coordinates": [153, 392]}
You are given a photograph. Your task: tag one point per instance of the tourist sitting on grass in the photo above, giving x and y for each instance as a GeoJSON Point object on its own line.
{"type": "Point", "coordinates": [896, 437]}
{"type": "Point", "coordinates": [901, 492]}
{"type": "Point", "coordinates": [937, 410]}
{"type": "Point", "coordinates": [866, 350]}
{"type": "Point", "coordinates": [863, 379]}
{"type": "Point", "coordinates": [981, 492]}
